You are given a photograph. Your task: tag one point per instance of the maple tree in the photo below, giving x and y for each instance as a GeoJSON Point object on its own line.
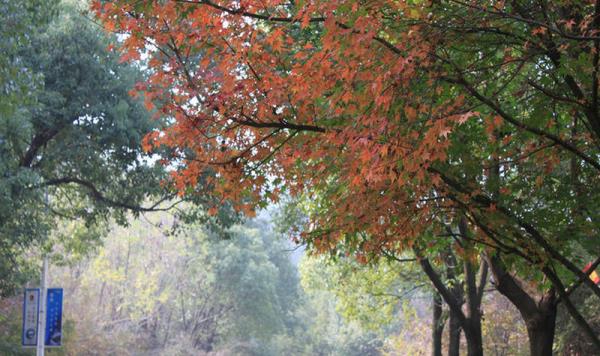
{"type": "Point", "coordinates": [398, 118]}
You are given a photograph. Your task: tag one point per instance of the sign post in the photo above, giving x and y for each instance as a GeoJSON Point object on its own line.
{"type": "Point", "coordinates": [42, 318]}
{"type": "Point", "coordinates": [42, 315]}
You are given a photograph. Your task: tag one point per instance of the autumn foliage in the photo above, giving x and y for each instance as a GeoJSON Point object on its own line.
{"type": "Point", "coordinates": [396, 114]}
{"type": "Point", "coordinates": [263, 102]}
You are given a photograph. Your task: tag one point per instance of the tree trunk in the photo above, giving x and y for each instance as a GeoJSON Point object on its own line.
{"type": "Point", "coordinates": [454, 335]}
{"type": "Point", "coordinates": [474, 338]}
{"type": "Point", "coordinates": [540, 329]}
{"type": "Point", "coordinates": [474, 294]}
{"type": "Point", "coordinates": [538, 312]}
{"type": "Point", "coordinates": [454, 297]}
{"type": "Point", "coordinates": [437, 325]}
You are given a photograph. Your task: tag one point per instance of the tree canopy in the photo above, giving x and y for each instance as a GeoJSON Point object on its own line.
{"type": "Point", "coordinates": [400, 119]}
{"type": "Point", "coordinates": [407, 108]}
{"type": "Point", "coordinates": [70, 142]}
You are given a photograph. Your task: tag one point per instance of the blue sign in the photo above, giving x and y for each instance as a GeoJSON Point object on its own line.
{"type": "Point", "coordinates": [31, 312]}
{"type": "Point", "coordinates": [54, 317]}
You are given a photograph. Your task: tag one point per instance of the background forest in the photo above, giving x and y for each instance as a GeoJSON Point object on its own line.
{"type": "Point", "coordinates": [295, 178]}
{"type": "Point", "coordinates": [158, 289]}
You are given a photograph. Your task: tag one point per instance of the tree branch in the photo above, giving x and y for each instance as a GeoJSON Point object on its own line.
{"type": "Point", "coordinates": [487, 202]}
{"type": "Point", "coordinates": [441, 288]}
{"type": "Point", "coordinates": [579, 319]}
{"type": "Point", "coordinates": [256, 16]}
{"type": "Point", "coordinates": [506, 116]}
{"type": "Point", "coordinates": [97, 195]}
